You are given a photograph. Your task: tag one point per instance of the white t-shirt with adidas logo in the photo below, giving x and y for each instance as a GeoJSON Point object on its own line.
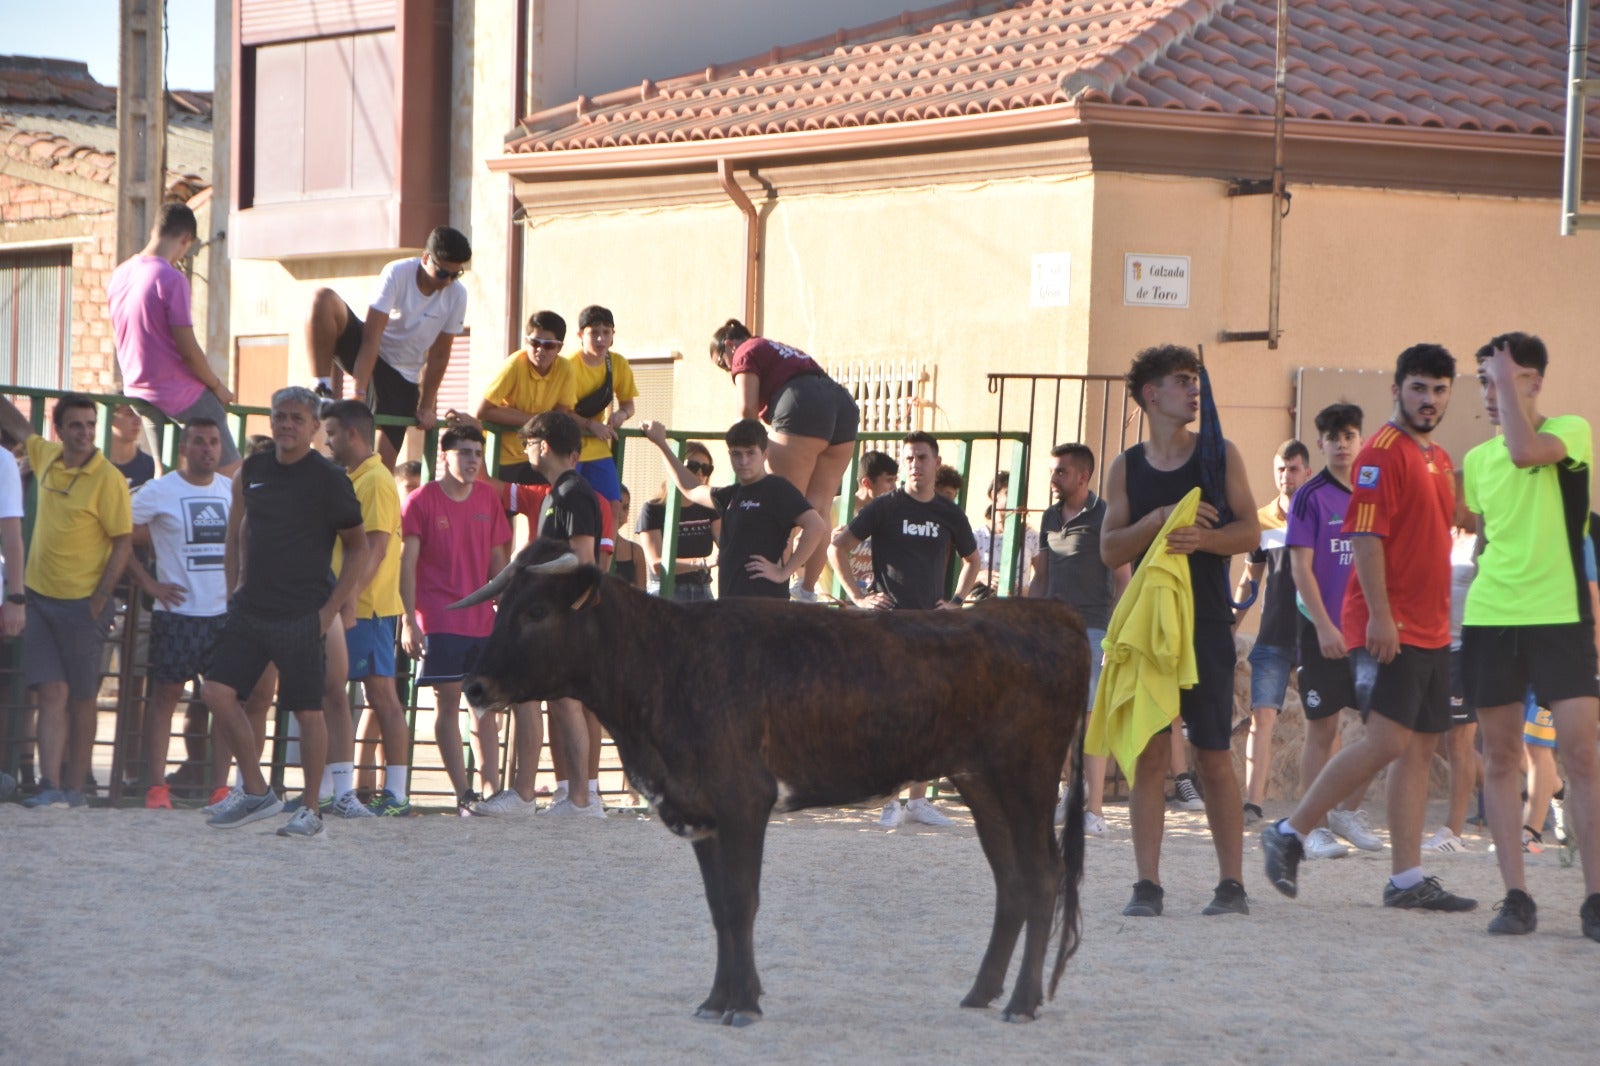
{"type": "Point", "coordinates": [188, 527]}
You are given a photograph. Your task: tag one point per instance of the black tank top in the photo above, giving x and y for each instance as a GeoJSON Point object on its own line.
{"type": "Point", "coordinates": [1148, 489]}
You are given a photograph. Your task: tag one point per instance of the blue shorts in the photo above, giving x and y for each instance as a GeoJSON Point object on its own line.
{"type": "Point", "coordinates": [371, 646]}
{"type": "Point", "coordinates": [1538, 724]}
{"type": "Point", "coordinates": [601, 474]}
{"type": "Point", "coordinates": [1270, 667]}
{"type": "Point", "coordinates": [449, 657]}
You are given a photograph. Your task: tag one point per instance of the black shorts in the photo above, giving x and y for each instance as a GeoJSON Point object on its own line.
{"type": "Point", "coordinates": [180, 645]}
{"type": "Point", "coordinates": [1326, 687]}
{"type": "Point", "coordinates": [248, 643]}
{"type": "Point", "coordinates": [1412, 689]}
{"type": "Point", "coordinates": [815, 405]}
{"type": "Point", "coordinates": [1207, 709]}
{"type": "Point", "coordinates": [387, 393]}
{"type": "Point", "coordinates": [1500, 662]}
{"type": "Point", "coordinates": [1462, 710]}
{"type": "Point", "coordinates": [521, 474]}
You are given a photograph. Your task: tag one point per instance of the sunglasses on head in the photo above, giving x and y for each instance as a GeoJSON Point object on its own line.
{"type": "Point", "coordinates": [700, 468]}
{"type": "Point", "coordinates": [543, 345]}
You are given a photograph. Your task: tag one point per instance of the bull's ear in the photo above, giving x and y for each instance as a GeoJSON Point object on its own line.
{"type": "Point", "coordinates": [589, 591]}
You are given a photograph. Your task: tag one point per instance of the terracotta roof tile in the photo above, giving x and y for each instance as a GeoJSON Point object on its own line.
{"type": "Point", "coordinates": [1496, 65]}
{"type": "Point", "coordinates": [53, 152]}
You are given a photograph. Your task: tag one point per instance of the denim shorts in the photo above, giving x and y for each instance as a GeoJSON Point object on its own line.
{"type": "Point", "coordinates": [1097, 657]}
{"type": "Point", "coordinates": [1270, 667]}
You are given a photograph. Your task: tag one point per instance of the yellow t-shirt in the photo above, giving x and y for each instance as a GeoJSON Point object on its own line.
{"type": "Point", "coordinates": [80, 510]}
{"type": "Point", "coordinates": [589, 378]}
{"type": "Point", "coordinates": [519, 385]}
{"type": "Point", "coordinates": [380, 513]}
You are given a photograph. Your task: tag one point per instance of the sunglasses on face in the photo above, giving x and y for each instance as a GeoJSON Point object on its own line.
{"type": "Point", "coordinates": [441, 274]}
{"type": "Point", "coordinates": [700, 468]}
{"type": "Point", "coordinates": [543, 345]}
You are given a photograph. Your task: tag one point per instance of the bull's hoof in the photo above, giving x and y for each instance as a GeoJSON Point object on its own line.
{"type": "Point", "coordinates": [976, 1001]}
{"type": "Point", "coordinates": [741, 1018]}
{"type": "Point", "coordinates": [1010, 1015]}
{"type": "Point", "coordinates": [706, 1014]}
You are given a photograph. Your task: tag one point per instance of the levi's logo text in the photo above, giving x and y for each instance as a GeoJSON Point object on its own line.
{"type": "Point", "coordinates": [1367, 477]}
{"type": "Point", "coordinates": [919, 529]}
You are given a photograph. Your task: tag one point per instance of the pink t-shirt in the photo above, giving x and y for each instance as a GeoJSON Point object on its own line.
{"type": "Point", "coordinates": [456, 542]}
{"type": "Point", "coordinates": [149, 296]}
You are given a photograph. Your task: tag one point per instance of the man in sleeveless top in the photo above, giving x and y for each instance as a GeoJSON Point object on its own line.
{"type": "Point", "coordinates": [1142, 486]}
{"type": "Point", "coordinates": [1396, 623]}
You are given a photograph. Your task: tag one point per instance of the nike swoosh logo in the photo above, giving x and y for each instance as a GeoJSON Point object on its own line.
{"type": "Point", "coordinates": [256, 484]}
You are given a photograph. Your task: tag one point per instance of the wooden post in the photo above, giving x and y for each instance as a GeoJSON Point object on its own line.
{"type": "Point", "coordinates": [141, 124]}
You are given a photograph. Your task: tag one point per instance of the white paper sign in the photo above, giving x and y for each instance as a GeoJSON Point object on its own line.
{"type": "Point", "coordinates": [1155, 280]}
{"type": "Point", "coordinates": [1052, 279]}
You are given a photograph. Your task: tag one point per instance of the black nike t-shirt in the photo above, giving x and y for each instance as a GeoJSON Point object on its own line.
{"type": "Point", "coordinates": [293, 514]}
{"type": "Point", "coordinates": [571, 509]}
{"type": "Point", "coordinates": [910, 542]}
{"type": "Point", "coordinates": [756, 520]}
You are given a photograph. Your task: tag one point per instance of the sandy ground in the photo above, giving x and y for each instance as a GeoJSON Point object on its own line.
{"type": "Point", "coordinates": [143, 936]}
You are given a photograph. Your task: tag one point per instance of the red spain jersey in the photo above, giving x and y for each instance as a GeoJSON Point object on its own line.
{"type": "Point", "coordinates": [1406, 495]}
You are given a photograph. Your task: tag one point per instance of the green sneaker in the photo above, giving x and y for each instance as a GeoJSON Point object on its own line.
{"type": "Point", "coordinates": [388, 806]}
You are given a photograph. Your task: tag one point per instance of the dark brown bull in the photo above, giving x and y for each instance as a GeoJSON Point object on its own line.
{"type": "Point", "coordinates": [725, 711]}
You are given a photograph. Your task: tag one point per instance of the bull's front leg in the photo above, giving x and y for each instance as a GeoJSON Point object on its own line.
{"type": "Point", "coordinates": [740, 842]}
{"type": "Point", "coordinates": [707, 851]}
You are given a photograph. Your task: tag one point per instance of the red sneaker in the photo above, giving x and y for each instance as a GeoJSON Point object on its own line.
{"type": "Point", "coordinates": [158, 798]}
{"type": "Point", "coordinates": [218, 794]}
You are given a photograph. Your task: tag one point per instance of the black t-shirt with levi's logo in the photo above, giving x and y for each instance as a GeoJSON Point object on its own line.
{"type": "Point", "coordinates": [911, 542]}
{"type": "Point", "coordinates": [756, 520]}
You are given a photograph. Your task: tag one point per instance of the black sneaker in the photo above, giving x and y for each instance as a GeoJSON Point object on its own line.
{"type": "Point", "coordinates": [1426, 895]}
{"type": "Point", "coordinates": [1229, 899]}
{"type": "Point", "coordinates": [323, 390]}
{"type": "Point", "coordinates": [1283, 852]}
{"type": "Point", "coordinates": [1252, 814]}
{"type": "Point", "coordinates": [1146, 901]}
{"type": "Point", "coordinates": [1589, 915]}
{"type": "Point", "coordinates": [1516, 915]}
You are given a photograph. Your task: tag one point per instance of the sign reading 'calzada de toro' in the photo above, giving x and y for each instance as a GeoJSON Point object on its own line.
{"type": "Point", "coordinates": [1155, 280]}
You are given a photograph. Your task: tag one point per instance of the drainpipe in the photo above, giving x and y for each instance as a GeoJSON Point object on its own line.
{"type": "Point", "coordinates": [752, 244]}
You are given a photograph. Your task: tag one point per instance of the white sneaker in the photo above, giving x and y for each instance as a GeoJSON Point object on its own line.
{"type": "Point", "coordinates": [920, 810]}
{"type": "Point", "coordinates": [506, 802]}
{"type": "Point", "coordinates": [1354, 827]}
{"type": "Point", "coordinates": [893, 814]}
{"type": "Point", "coordinates": [1061, 809]}
{"type": "Point", "coordinates": [1321, 844]}
{"type": "Point", "coordinates": [559, 794]}
{"type": "Point", "coordinates": [1093, 824]}
{"type": "Point", "coordinates": [349, 806]}
{"type": "Point", "coordinates": [232, 797]}
{"type": "Point", "coordinates": [802, 595]}
{"type": "Point", "coordinates": [596, 808]}
{"type": "Point", "coordinates": [1186, 795]}
{"type": "Point", "coordinates": [1444, 841]}
{"type": "Point", "coordinates": [566, 808]}
{"type": "Point", "coordinates": [303, 823]}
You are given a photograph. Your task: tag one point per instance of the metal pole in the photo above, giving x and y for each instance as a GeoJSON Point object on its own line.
{"type": "Point", "coordinates": [1280, 94]}
{"type": "Point", "coordinates": [1577, 67]}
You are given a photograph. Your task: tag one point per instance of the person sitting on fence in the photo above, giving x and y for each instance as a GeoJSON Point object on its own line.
{"type": "Point", "coordinates": [161, 361]}
{"type": "Point", "coordinates": [82, 535]}
{"type": "Point", "coordinates": [370, 633]}
{"type": "Point", "coordinates": [183, 517]}
{"type": "Point", "coordinates": [604, 382]}
{"type": "Point", "coordinates": [456, 537]}
{"type": "Point", "coordinates": [814, 419]}
{"type": "Point", "coordinates": [535, 378]}
{"type": "Point", "coordinates": [699, 529]}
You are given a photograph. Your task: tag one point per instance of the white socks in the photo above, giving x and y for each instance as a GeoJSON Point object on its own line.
{"type": "Point", "coordinates": [395, 779]}
{"type": "Point", "coordinates": [339, 779]}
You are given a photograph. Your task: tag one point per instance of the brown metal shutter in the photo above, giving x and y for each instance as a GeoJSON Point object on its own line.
{"type": "Point", "coordinates": [266, 21]}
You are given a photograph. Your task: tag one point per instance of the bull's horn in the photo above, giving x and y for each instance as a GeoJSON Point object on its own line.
{"type": "Point", "coordinates": [561, 564]}
{"type": "Point", "coordinates": [496, 585]}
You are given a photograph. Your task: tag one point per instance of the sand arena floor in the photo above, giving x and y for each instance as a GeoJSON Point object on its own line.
{"type": "Point", "coordinates": [134, 936]}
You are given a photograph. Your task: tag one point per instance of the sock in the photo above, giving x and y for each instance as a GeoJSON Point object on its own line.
{"type": "Point", "coordinates": [1407, 878]}
{"type": "Point", "coordinates": [238, 778]}
{"type": "Point", "coordinates": [339, 779]}
{"type": "Point", "coordinates": [1290, 831]}
{"type": "Point", "coordinates": [395, 779]}
{"type": "Point", "coordinates": [594, 788]}
{"type": "Point", "coordinates": [561, 787]}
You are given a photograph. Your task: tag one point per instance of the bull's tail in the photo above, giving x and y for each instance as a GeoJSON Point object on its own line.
{"type": "Point", "coordinates": [1069, 913]}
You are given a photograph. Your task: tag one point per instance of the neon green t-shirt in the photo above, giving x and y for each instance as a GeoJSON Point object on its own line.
{"type": "Point", "coordinates": [1534, 523]}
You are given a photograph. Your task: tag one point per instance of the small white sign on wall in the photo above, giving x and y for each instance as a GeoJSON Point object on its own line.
{"type": "Point", "coordinates": [1155, 280]}
{"type": "Point", "coordinates": [1052, 279]}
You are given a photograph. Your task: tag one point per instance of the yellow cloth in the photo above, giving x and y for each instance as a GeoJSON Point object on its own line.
{"type": "Point", "coordinates": [79, 511]}
{"type": "Point", "coordinates": [1149, 649]}
{"type": "Point", "coordinates": [380, 513]}
{"type": "Point", "coordinates": [519, 385]}
{"type": "Point", "coordinates": [590, 378]}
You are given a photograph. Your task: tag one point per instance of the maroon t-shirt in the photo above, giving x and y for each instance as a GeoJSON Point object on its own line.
{"type": "Point", "coordinates": [774, 364]}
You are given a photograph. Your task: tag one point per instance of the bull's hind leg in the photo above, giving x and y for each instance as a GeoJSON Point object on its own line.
{"type": "Point", "coordinates": [1009, 906]}
{"type": "Point", "coordinates": [1027, 813]}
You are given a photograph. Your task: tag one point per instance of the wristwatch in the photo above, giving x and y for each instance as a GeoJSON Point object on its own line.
{"type": "Point", "coordinates": [16, 597]}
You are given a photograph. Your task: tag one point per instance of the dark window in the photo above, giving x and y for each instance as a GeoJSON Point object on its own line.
{"type": "Point", "coordinates": [36, 318]}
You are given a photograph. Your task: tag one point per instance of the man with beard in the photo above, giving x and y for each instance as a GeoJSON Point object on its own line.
{"type": "Point", "coordinates": [1396, 624]}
